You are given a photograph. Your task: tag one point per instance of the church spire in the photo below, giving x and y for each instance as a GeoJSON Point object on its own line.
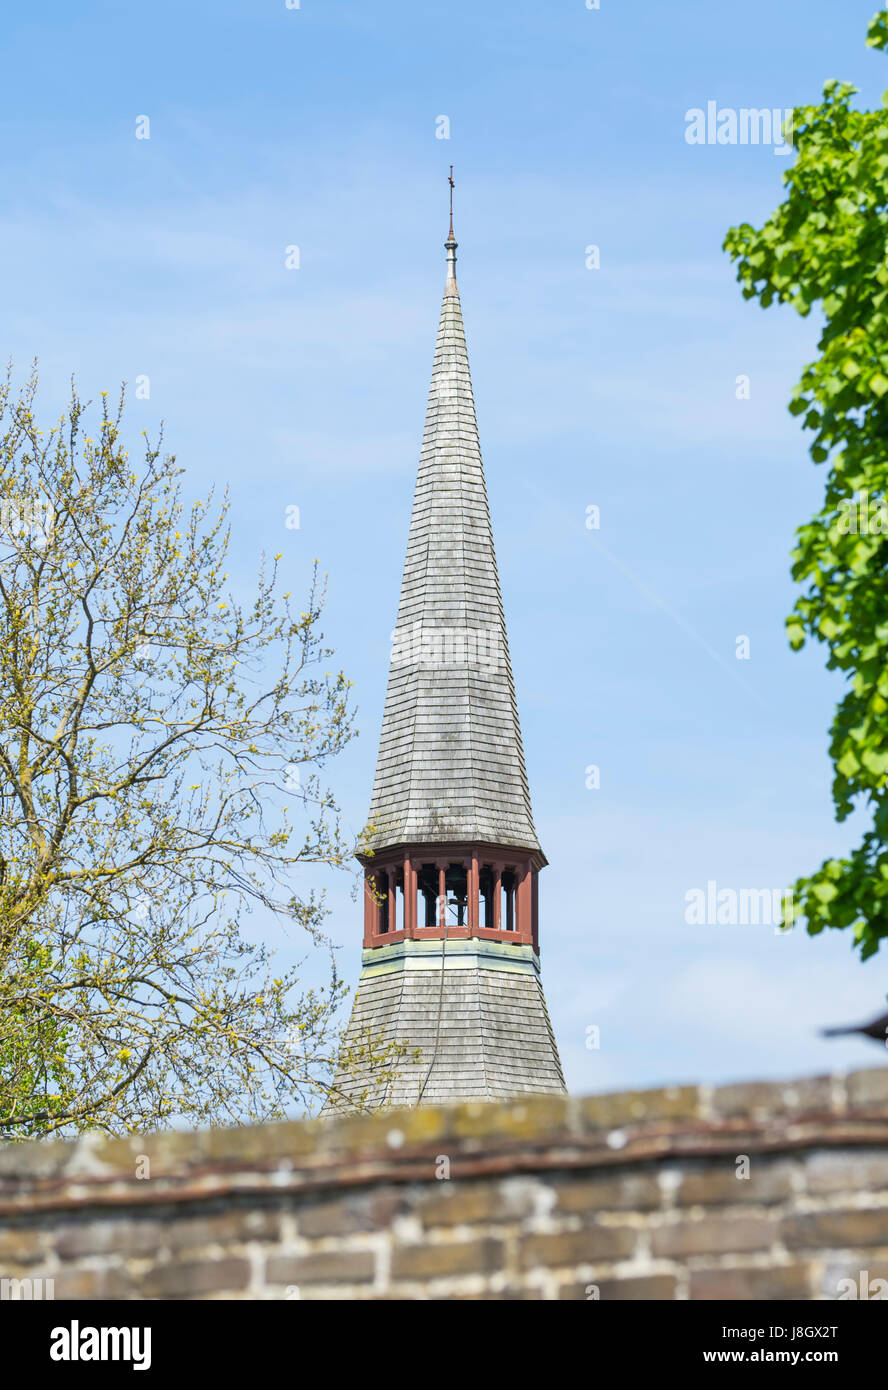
{"type": "Point", "coordinates": [450, 854]}
{"type": "Point", "coordinates": [451, 761]}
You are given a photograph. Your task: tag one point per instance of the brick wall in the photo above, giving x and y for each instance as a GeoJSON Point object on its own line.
{"type": "Point", "coordinates": [634, 1195]}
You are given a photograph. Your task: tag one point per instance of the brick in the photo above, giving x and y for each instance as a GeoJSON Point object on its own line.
{"type": "Point", "coordinates": [449, 1204]}
{"type": "Point", "coordinates": [33, 1160]}
{"type": "Point", "coordinates": [629, 1192]}
{"type": "Point", "coordinates": [644, 1286]}
{"type": "Point", "coordinates": [95, 1283]}
{"type": "Point", "coordinates": [79, 1283]}
{"type": "Point", "coordinates": [337, 1218]}
{"type": "Point", "coordinates": [440, 1261]}
{"type": "Point", "coordinates": [24, 1246]}
{"type": "Point", "coordinates": [351, 1215]}
{"type": "Point", "coordinates": [506, 1200]}
{"type": "Point", "coordinates": [386, 1131]}
{"type": "Point", "coordinates": [589, 1246]}
{"type": "Point", "coordinates": [103, 1237]}
{"type": "Point", "coordinates": [526, 1118]}
{"type": "Point", "coordinates": [119, 1155]}
{"type": "Point", "coordinates": [719, 1185]}
{"type": "Point", "coordinates": [749, 1284]}
{"type": "Point", "coordinates": [172, 1152]}
{"type": "Point", "coordinates": [195, 1277]}
{"type": "Point", "coordinates": [236, 1227]}
{"type": "Point", "coordinates": [283, 1141]}
{"type": "Point", "coordinates": [760, 1098]}
{"type": "Point", "coordinates": [321, 1267]}
{"type": "Point", "coordinates": [836, 1229]}
{"type": "Point", "coordinates": [628, 1107]}
{"type": "Point", "coordinates": [748, 1098]}
{"type": "Point", "coordinates": [850, 1170]}
{"type": "Point", "coordinates": [867, 1089]}
{"type": "Point", "coordinates": [713, 1235]}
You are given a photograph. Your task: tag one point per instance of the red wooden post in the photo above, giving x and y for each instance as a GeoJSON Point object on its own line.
{"type": "Point", "coordinates": [524, 905]}
{"type": "Point", "coordinates": [535, 909]}
{"type": "Point", "coordinates": [473, 888]}
{"type": "Point", "coordinates": [497, 893]}
{"type": "Point", "coordinates": [409, 897]}
{"type": "Point", "coordinates": [442, 895]}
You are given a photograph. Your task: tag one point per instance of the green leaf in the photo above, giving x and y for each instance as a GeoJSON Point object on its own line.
{"type": "Point", "coordinates": [825, 892]}
{"type": "Point", "coordinates": [874, 762]}
{"type": "Point", "coordinates": [848, 764]}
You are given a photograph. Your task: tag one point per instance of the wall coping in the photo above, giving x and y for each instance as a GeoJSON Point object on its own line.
{"type": "Point", "coordinates": [522, 1136]}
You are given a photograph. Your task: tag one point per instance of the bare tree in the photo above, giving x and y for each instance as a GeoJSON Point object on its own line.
{"type": "Point", "coordinates": [155, 735]}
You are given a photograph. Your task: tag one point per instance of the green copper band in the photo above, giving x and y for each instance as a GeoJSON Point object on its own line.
{"type": "Point", "coordinates": [460, 954]}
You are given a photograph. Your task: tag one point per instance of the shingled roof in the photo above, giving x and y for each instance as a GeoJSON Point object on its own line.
{"type": "Point", "coordinates": [451, 762]}
{"type": "Point", "coordinates": [475, 1015]}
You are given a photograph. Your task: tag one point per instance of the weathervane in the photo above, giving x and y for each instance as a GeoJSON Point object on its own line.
{"type": "Point", "coordinates": [450, 181]}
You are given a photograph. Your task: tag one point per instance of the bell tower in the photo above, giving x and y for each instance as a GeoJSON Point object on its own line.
{"type": "Point", "coordinates": [450, 855]}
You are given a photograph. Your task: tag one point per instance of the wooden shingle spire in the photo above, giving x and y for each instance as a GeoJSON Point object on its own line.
{"type": "Point", "coordinates": [450, 967]}
{"type": "Point", "coordinates": [451, 762]}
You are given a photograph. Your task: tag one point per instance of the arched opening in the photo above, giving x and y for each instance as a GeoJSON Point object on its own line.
{"type": "Point", "coordinates": [507, 908]}
{"type": "Point", "coordinates": [381, 886]}
{"type": "Point", "coordinates": [427, 883]}
{"type": "Point", "coordinates": [456, 888]}
{"type": "Point", "coordinates": [485, 893]}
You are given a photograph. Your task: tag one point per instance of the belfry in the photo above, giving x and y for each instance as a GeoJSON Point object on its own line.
{"type": "Point", "coordinates": [450, 854]}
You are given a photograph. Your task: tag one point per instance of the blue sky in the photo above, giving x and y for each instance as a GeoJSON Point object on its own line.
{"type": "Point", "coordinates": [316, 127]}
